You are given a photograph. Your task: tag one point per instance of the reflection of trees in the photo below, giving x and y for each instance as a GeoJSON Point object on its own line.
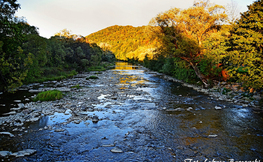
{"type": "Point", "coordinates": [127, 79]}
{"type": "Point", "coordinates": [123, 66]}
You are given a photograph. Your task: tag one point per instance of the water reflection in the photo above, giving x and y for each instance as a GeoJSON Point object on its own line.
{"type": "Point", "coordinates": [126, 72]}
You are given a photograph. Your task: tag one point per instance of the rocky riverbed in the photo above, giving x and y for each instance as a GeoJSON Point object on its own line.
{"type": "Point", "coordinates": [131, 114]}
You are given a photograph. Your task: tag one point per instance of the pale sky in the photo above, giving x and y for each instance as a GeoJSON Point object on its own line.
{"type": "Point", "coordinates": [84, 17]}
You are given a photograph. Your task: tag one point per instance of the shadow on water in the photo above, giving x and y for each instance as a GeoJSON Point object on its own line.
{"type": "Point", "coordinates": [170, 123]}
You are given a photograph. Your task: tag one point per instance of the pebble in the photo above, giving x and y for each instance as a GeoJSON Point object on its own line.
{"type": "Point", "coordinates": [218, 108]}
{"type": "Point", "coordinates": [212, 136]}
{"type": "Point", "coordinates": [116, 150]}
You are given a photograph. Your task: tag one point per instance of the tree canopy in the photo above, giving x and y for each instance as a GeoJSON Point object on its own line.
{"type": "Point", "coordinates": [246, 45]}
{"type": "Point", "coordinates": [183, 32]}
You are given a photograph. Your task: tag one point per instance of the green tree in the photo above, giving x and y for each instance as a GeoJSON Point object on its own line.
{"type": "Point", "coordinates": [246, 45]}
{"type": "Point", "coordinates": [183, 32]}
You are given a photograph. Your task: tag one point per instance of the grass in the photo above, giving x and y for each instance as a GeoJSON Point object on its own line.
{"type": "Point", "coordinates": [96, 68]}
{"type": "Point", "coordinates": [92, 77]}
{"type": "Point", "coordinates": [76, 86]}
{"type": "Point", "coordinates": [48, 96]}
{"type": "Point", "coordinates": [52, 77]}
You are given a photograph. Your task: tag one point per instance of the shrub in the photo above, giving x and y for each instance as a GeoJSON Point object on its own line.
{"type": "Point", "coordinates": [168, 67]}
{"type": "Point", "coordinates": [48, 96]}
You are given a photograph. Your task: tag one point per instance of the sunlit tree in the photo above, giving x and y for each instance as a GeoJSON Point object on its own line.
{"type": "Point", "coordinates": [183, 32]}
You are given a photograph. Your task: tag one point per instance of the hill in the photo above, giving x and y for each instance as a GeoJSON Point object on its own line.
{"type": "Point", "coordinates": [125, 42]}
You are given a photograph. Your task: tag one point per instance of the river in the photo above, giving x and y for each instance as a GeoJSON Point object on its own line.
{"type": "Point", "coordinates": [138, 116]}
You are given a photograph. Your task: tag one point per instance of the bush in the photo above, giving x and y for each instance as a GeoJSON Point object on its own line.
{"type": "Point", "coordinates": [168, 67]}
{"type": "Point", "coordinates": [92, 77]}
{"type": "Point", "coordinates": [183, 71]}
{"type": "Point", "coordinates": [48, 96]}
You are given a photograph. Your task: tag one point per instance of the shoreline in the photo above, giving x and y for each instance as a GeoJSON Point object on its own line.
{"type": "Point", "coordinates": [231, 96]}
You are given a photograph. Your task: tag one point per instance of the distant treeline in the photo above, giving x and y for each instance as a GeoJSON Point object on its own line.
{"type": "Point", "coordinates": [200, 44]}
{"type": "Point", "coordinates": [26, 57]}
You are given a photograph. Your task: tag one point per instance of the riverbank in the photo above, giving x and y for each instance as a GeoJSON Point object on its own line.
{"type": "Point", "coordinates": [231, 92]}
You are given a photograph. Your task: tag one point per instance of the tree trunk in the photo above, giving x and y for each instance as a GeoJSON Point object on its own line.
{"type": "Point", "coordinates": [200, 75]}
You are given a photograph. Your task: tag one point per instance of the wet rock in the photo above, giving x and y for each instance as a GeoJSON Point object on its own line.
{"type": "Point", "coordinates": [63, 89]}
{"type": "Point", "coordinates": [218, 108]}
{"type": "Point", "coordinates": [7, 133]}
{"type": "Point", "coordinates": [21, 105]}
{"type": "Point", "coordinates": [80, 103]}
{"type": "Point", "coordinates": [83, 108]}
{"type": "Point", "coordinates": [33, 119]}
{"type": "Point", "coordinates": [95, 119]}
{"type": "Point", "coordinates": [34, 91]}
{"type": "Point", "coordinates": [76, 121]}
{"type": "Point", "coordinates": [114, 98]}
{"type": "Point", "coordinates": [5, 153]}
{"type": "Point", "coordinates": [109, 145]}
{"type": "Point", "coordinates": [177, 109]}
{"type": "Point", "coordinates": [23, 153]}
{"type": "Point", "coordinates": [189, 109]}
{"type": "Point", "coordinates": [67, 112]}
{"type": "Point", "coordinates": [90, 109]}
{"type": "Point", "coordinates": [212, 136]}
{"type": "Point", "coordinates": [116, 150]}
{"type": "Point", "coordinates": [59, 130]}
{"type": "Point", "coordinates": [10, 113]}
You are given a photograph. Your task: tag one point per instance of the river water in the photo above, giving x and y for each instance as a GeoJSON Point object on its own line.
{"type": "Point", "coordinates": [164, 121]}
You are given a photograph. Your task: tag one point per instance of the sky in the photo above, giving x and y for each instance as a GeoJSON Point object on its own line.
{"type": "Point", "coordinates": [83, 17]}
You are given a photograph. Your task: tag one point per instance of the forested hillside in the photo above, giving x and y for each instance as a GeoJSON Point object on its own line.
{"type": "Point", "coordinates": [126, 42]}
{"type": "Point", "coordinates": [26, 57]}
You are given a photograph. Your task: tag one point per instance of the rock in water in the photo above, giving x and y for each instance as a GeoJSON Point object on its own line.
{"type": "Point", "coordinates": [7, 133]}
{"type": "Point", "coordinates": [95, 119]}
{"type": "Point", "coordinates": [116, 150]}
{"type": "Point", "coordinates": [5, 153]}
{"type": "Point", "coordinates": [23, 153]}
{"type": "Point", "coordinates": [218, 108]}
{"type": "Point", "coordinates": [59, 130]}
